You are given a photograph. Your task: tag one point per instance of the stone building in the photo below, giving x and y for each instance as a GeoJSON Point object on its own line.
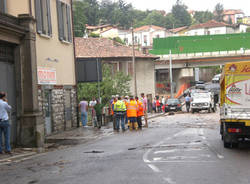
{"type": "Point", "coordinates": [120, 57]}
{"type": "Point", "coordinates": [37, 68]}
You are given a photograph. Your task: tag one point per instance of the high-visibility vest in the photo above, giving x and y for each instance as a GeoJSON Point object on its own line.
{"type": "Point", "coordinates": [112, 107]}
{"type": "Point", "coordinates": [119, 106]}
{"type": "Point", "coordinates": [132, 109]}
{"type": "Point", "coordinates": [140, 111]}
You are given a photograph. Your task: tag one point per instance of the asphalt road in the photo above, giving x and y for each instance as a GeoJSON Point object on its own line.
{"type": "Point", "coordinates": [182, 148]}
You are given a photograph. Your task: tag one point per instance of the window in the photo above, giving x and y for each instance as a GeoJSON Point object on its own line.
{"type": "Point", "coordinates": [43, 17]}
{"type": "Point", "coordinates": [3, 8]}
{"type": "Point", "coordinates": [145, 39]}
{"type": "Point", "coordinates": [64, 21]}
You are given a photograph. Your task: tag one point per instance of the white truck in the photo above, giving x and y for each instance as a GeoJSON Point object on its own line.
{"type": "Point", "coordinates": [202, 100]}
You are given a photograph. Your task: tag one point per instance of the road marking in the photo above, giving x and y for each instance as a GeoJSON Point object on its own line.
{"type": "Point", "coordinates": [176, 150]}
{"type": "Point", "coordinates": [154, 168]}
{"type": "Point", "coordinates": [169, 180]}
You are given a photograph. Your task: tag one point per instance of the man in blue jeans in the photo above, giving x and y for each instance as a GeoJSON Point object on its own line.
{"type": "Point", "coordinates": [120, 111]}
{"type": "Point", "coordinates": [83, 108]}
{"type": "Point", "coordinates": [4, 123]}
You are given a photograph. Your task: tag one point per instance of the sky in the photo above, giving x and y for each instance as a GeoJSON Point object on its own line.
{"type": "Point", "coordinates": [192, 4]}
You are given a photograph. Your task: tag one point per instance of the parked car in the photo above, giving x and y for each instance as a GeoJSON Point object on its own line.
{"type": "Point", "coordinates": [216, 78]}
{"type": "Point", "coordinates": [173, 104]}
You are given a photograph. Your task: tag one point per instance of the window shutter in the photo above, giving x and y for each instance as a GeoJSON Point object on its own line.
{"type": "Point", "coordinates": [49, 18]}
{"type": "Point", "coordinates": [60, 20]}
{"type": "Point", "coordinates": [38, 16]}
{"type": "Point", "coordinates": [3, 8]}
{"type": "Point", "coordinates": [68, 10]}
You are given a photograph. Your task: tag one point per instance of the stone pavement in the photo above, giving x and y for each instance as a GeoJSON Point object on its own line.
{"type": "Point", "coordinates": [63, 140]}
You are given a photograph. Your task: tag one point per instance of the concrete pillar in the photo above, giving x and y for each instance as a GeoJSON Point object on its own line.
{"type": "Point", "coordinates": [197, 74]}
{"type": "Point", "coordinates": [32, 125]}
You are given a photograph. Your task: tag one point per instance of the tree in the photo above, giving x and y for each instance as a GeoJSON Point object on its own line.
{"type": "Point", "coordinates": [181, 15]}
{"type": "Point", "coordinates": [155, 18]}
{"type": "Point", "coordinates": [219, 10]}
{"type": "Point", "coordinates": [248, 30]}
{"type": "Point", "coordinates": [203, 16]}
{"type": "Point", "coordinates": [170, 21]}
{"type": "Point", "coordinates": [79, 18]}
{"type": "Point", "coordinates": [111, 85]}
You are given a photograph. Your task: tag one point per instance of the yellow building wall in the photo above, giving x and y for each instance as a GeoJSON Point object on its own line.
{"type": "Point", "coordinates": [51, 52]}
{"type": "Point", "coordinates": [54, 49]}
{"type": "Point", "coordinates": [16, 7]}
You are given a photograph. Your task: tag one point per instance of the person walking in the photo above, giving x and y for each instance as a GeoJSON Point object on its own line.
{"type": "Point", "coordinates": [113, 113]}
{"type": "Point", "coordinates": [5, 108]}
{"type": "Point", "coordinates": [187, 102]}
{"type": "Point", "coordinates": [92, 103]}
{"type": "Point", "coordinates": [158, 105]}
{"type": "Point", "coordinates": [132, 114]}
{"type": "Point", "coordinates": [140, 112]}
{"type": "Point", "coordinates": [98, 111]}
{"type": "Point", "coordinates": [83, 108]}
{"type": "Point", "coordinates": [145, 109]}
{"type": "Point", "coordinates": [120, 111]}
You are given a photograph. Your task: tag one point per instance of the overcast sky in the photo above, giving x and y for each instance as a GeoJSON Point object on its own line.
{"type": "Point", "coordinates": [192, 4]}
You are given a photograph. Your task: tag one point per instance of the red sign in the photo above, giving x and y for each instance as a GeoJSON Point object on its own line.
{"type": "Point", "coordinates": [46, 75]}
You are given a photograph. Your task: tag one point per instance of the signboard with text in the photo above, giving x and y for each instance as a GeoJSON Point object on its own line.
{"type": "Point", "coordinates": [46, 75]}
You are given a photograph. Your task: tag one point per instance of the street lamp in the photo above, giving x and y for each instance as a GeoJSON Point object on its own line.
{"type": "Point", "coordinates": [133, 60]}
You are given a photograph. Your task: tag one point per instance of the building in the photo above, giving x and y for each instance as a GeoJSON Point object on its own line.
{"type": "Point", "coordinates": [180, 31]}
{"type": "Point", "coordinates": [120, 58]}
{"type": "Point", "coordinates": [232, 16]}
{"type": "Point", "coordinates": [211, 27]}
{"type": "Point", "coordinates": [97, 29]}
{"type": "Point", "coordinates": [37, 63]}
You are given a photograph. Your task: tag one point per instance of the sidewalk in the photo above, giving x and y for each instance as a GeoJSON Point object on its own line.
{"type": "Point", "coordinates": [63, 140]}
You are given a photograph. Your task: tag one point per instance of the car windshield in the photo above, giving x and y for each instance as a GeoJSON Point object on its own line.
{"type": "Point", "coordinates": [172, 101]}
{"type": "Point", "coordinates": [201, 95]}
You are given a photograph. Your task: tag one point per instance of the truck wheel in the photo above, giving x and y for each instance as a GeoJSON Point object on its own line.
{"type": "Point", "coordinates": [192, 111]}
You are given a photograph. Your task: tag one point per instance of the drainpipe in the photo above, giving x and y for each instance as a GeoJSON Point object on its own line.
{"type": "Point", "coordinates": [73, 40]}
{"type": "Point", "coordinates": [30, 8]}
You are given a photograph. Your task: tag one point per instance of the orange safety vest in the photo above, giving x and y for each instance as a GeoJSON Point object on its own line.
{"type": "Point", "coordinates": [132, 109]}
{"type": "Point", "coordinates": [140, 111]}
{"type": "Point", "coordinates": [112, 106]}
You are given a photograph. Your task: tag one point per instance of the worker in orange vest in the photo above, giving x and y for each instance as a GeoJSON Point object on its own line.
{"type": "Point", "coordinates": [112, 103]}
{"type": "Point", "coordinates": [132, 109]}
{"type": "Point", "coordinates": [140, 112]}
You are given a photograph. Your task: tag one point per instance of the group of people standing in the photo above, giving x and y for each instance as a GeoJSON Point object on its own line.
{"type": "Point", "coordinates": [158, 104]}
{"type": "Point", "coordinates": [124, 110]}
{"type": "Point", "coordinates": [128, 110]}
{"type": "Point", "coordinates": [96, 112]}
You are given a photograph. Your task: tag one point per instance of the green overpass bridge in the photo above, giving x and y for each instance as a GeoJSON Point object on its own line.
{"type": "Point", "coordinates": [196, 51]}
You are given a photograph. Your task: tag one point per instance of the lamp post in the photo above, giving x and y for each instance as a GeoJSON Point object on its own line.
{"type": "Point", "coordinates": [170, 74]}
{"type": "Point", "coordinates": [133, 60]}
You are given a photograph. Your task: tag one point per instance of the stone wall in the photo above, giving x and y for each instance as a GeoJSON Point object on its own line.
{"type": "Point", "coordinates": [58, 112]}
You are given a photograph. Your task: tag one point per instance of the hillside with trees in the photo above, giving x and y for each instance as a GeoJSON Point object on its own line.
{"type": "Point", "coordinates": [124, 15]}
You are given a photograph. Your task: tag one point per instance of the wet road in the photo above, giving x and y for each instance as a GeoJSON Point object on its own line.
{"type": "Point", "coordinates": [183, 148]}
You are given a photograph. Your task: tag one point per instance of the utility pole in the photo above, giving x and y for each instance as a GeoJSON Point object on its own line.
{"type": "Point", "coordinates": [133, 59]}
{"type": "Point", "coordinates": [170, 73]}
{"type": "Point", "coordinates": [98, 79]}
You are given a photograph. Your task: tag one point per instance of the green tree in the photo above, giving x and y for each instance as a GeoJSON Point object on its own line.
{"type": "Point", "coordinates": [111, 84]}
{"type": "Point", "coordinates": [155, 18]}
{"type": "Point", "coordinates": [170, 21]}
{"type": "Point", "coordinates": [248, 30]}
{"type": "Point", "coordinates": [181, 15]}
{"type": "Point", "coordinates": [219, 9]}
{"type": "Point", "coordinates": [79, 18]}
{"type": "Point", "coordinates": [203, 16]}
